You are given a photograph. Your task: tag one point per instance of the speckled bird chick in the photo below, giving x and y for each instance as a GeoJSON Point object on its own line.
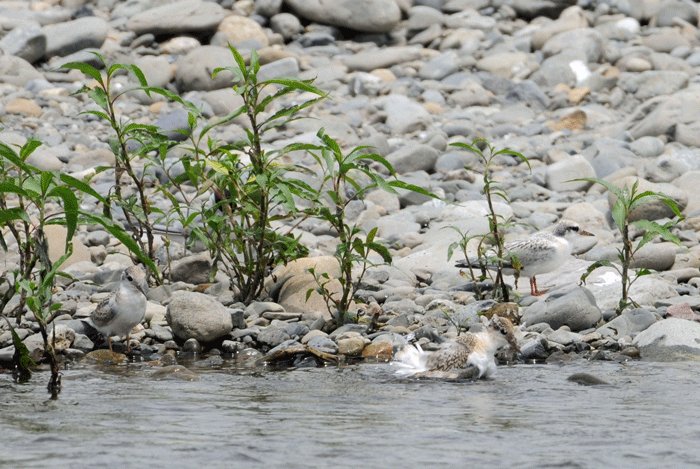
{"type": "Point", "coordinates": [469, 356]}
{"type": "Point", "coordinates": [121, 311]}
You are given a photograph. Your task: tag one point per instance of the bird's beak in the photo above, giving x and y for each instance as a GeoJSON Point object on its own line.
{"type": "Point", "coordinates": [514, 344]}
{"type": "Point", "coordinates": [585, 233]}
{"type": "Point", "coordinates": [144, 289]}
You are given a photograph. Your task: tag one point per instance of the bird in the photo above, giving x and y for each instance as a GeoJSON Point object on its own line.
{"type": "Point", "coordinates": [124, 308]}
{"type": "Point", "coordinates": [468, 356]}
{"type": "Point", "coordinates": [540, 253]}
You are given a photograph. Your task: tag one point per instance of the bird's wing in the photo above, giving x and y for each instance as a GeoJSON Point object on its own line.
{"type": "Point", "coordinates": [452, 354]}
{"type": "Point", "coordinates": [104, 313]}
{"type": "Point", "coordinates": [529, 250]}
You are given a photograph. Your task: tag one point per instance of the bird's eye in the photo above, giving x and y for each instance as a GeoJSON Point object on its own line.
{"type": "Point", "coordinates": [504, 331]}
{"type": "Point", "coordinates": [129, 278]}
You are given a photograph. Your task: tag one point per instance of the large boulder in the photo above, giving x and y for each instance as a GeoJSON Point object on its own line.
{"type": "Point", "coordinates": [197, 316]}
{"type": "Point", "coordinates": [372, 16]}
{"type": "Point", "coordinates": [575, 308]}
{"type": "Point", "coordinates": [670, 340]}
{"type": "Point", "coordinates": [186, 16]}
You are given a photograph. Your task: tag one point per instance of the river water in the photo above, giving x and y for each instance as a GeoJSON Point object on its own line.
{"type": "Point", "coordinates": [355, 416]}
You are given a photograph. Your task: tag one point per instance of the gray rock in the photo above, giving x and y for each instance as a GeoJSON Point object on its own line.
{"type": "Point", "coordinates": [629, 323]}
{"type": "Point", "coordinates": [669, 10]}
{"type": "Point", "coordinates": [323, 343]}
{"type": "Point", "coordinates": [556, 70]}
{"type": "Point", "coordinates": [647, 147]}
{"type": "Point", "coordinates": [655, 256]}
{"type": "Point", "coordinates": [192, 269]}
{"type": "Point", "coordinates": [656, 82]}
{"type": "Point", "coordinates": [198, 316]}
{"type": "Point", "coordinates": [440, 66]}
{"type": "Point", "coordinates": [564, 337]}
{"type": "Point", "coordinates": [575, 308]}
{"type": "Point", "coordinates": [405, 115]}
{"type": "Point", "coordinates": [287, 25]}
{"type": "Point", "coordinates": [65, 38]}
{"type": "Point", "coordinates": [659, 116]}
{"type": "Point", "coordinates": [421, 17]}
{"type": "Point", "coordinates": [559, 174]}
{"type": "Point", "coordinates": [194, 70]}
{"type": "Point", "coordinates": [413, 158]}
{"type": "Point", "coordinates": [373, 16]}
{"type": "Point", "coordinates": [17, 71]}
{"type": "Point", "coordinates": [26, 41]}
{"type": "Point", "coordinates": [670, 340]}
{"type": "Point", "coordinates": [587, 43]}
{"type": "Point", "coordinates": [272, 336]}
{"type": "Point", "coordinates": [381, 58]}
{"type": "Point", "coordinates": [286, 67]}
{"type": "Point", "coordinates": [529, 9]}
{"type": "Point", "coordinates": [268, 8]}
{"type": "Point", "coordinates": [534, 349]}
{"type": "Point", "coordinates": [186, 16]}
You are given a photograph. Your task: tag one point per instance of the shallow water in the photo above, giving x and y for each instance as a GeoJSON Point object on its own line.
{"type": "Point", "coordinates": [529, 416]}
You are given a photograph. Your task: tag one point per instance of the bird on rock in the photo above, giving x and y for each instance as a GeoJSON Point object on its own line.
{"type": "Point", "coordinates": [540, 253]}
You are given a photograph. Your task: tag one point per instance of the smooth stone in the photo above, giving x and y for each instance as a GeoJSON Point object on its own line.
{"type": "Point", "coordinates": [404, 115]}
{"type": "Point", "coordinates": [413, 158]}
{"type": "Point", "coordinates": [26, 41]}
{"type": "Point", "coordinates": [56, 234]}
{"type": "Point", "coordinates": [654, 209]}
{"type": "Point", "coordinates": [272, 336]}
{"type": "Point", "coordinates": [289, 284]}
{"type": "Point", "coordinates": [187, 16]}
{"type": "Point", "coordinates": [586, 379]}
{"type": "Point", "coordinates": [72, 36]}
{"type": "Point", "coordinates": [194, 70]}
{"type": "Point", "coordinates": [322, 343]}
{"type": "Point", "coordinates": [670, 340]}
{"type": "Point", "coordinates": [287, 25]}
{"type": "Point", "coordinates": [575, 308]}
{"type": "Point", "coordinates": [502, 63]}
{"type": "Point", "coordinates": [655, 256]}
{"type": "Point", "coordinates": [194, 269]}
{"type": "Point", "coordinates": [629, 323]}
{"type": "Point", "coordinates": [560, 175]}
{"type": "Point", "coordinates": [198, 316]}
{"type": "Point", "coordinates": [376, 16]}
{"type": "Point", "coordinates": [235, 29]}
{"type": "Point", "coordinates": [381, 58]}
{"type": "Point", "coordinates": [564, 337]}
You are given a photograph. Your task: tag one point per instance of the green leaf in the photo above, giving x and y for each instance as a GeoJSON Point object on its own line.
{"type": "Point", "coordinates": [87, 69]}
{"type": "Point", "coordinates": [28, 148]}
{"type": "Point", "coordinates": [14, 213]}
{"type": "Point", "coordinates": [80, 186]}
{"type": "Point", "coordinates": [70, 207]}
{"type": "Point", "coordinates": [594, 266]}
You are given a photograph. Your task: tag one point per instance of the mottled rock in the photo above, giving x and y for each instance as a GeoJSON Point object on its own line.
{"type": "Point", "coordinates": [575, 308]}
{"type": "Point", "coordinates": [375, 16]}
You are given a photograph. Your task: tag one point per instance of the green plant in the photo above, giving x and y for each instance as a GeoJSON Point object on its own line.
{"type": "Point", "coordinates": [25, 218]}
{"type": "Point", "coordinates": [251, 185]}
{"type": "Point", "coordinates": [136, 208]}
{"type": "Point", "coordinates": [494, 258]}
{"type": "Point", "coordinates": [627, 201]}
{"type": "Point", "coordinates": [339, 172]}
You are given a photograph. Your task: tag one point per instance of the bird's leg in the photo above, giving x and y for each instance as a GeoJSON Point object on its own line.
{"type": "Point", "coordinates": [128, 344]}
{"type": "Point", "coordinates": [109, 341]}
{"type": "Point", "coordinates": [533, 287]}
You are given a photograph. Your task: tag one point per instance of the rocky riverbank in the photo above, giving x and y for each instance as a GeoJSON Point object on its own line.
{"type": "Point", "coordinates": [605, 89]}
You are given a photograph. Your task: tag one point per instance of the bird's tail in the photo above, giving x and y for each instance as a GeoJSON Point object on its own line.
{"type": "Point", "coordinates": [410, 359]}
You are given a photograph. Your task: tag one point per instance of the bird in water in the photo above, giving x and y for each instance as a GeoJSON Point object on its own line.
{"type": "Point", "coordinates": [468, 356]}
{"type": "Point", "coordinates": [124, 308]}
{"type": "Point", "coordinates": [540, 253]}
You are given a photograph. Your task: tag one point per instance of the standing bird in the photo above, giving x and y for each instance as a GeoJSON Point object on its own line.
{"type": "Point", "coordinates": [541, 253]}
{"type": "Point", "coordinates": [121, 311]}
{"type": "Point", "coordinates": [469, 356]}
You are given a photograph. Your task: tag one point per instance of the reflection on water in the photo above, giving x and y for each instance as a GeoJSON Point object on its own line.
{"type": "Point", "coordinates": [529, 416]}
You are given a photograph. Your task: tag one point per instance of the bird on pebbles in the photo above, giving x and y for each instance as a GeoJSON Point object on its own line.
{"type": "Point", "coordinates": [468, 356]}
{"type": "Point", "coordinates": [124, 308]}
{"type": "Point", "coordinates": [540, 253]}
